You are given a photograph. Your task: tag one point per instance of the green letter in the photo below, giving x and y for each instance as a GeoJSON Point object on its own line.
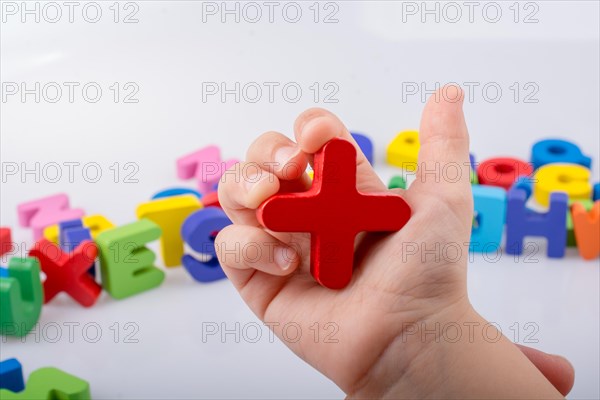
{"type": "Point", "coordinates": [50, 384]}
{"type": "Point", "coordinates": [126, 265]}
{"type": "Point", "coordinates": [21, 297]}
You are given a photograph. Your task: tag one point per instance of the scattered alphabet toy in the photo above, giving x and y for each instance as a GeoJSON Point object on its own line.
{"type": "Point", "coordinates": [587, 205]}
{"type": "Point", "coordinates": [211, 199]}
{"type": "Point", "coordinates": [587, 230]}
{"type": "Point", "coordinates": [199, 231]}
{"type": "Point", "coordinates": [320, 212]}
{"type": "Point", "coordinates": [6, 244]}
{"type": "Point", "coordinates": [95, 223]}
{"type": "Point", "coordinates": [21, 296]}
{"type": "Point", "coordinates": [490, 211]}
{"type": "Point", "coordinates": [11, 375]}
{"type": "Point", "coordinates": [473, 172]}
{"type": "Point", "coordinates": [365, 144]}
{"type": "Point", "coordinates": [573, 179]}
{"type": "Point", "coordinates": [68, 272]}
{"type": "Point", "coordinates": [524, 183]}
{"type": "Point", "coordinates": [169, 213]}
{"type": "Point", "coordinates": [397, 182]}
{"type": "Point", "coordinates": [521, 222]}
{"type": "Point", "coordinates": [38, 214]}
{"type": "Point", "coordinates": [206, 166]}
{"type": "Point", "coordinates": [44, 384]}
{"type": "Point", "coordinates": [176, 192]}
{"type": "Point", "coordinates": [126, 265]}
{"type": "Point", "coordinates": [551, 151]}
{"type": "Point", "coordinates": [72, 234]}
{"type": "Point", "coordinates": [502, 171]}
{"type": "Point", "coordinates": [403, 151]}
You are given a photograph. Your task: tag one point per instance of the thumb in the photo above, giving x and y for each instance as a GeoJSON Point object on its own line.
{"type": "Point", "coordinates": [444, 166]}
{"type": "Point", "coordinates": [556, 369]}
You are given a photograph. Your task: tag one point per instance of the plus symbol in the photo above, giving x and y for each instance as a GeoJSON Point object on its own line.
{"type": "Point", "coordinates": [333, 211]}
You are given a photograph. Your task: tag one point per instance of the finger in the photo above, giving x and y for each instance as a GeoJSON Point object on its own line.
{"type": "Point", "coordinates": [243, 249]}
{"type": "Point", "coordinates": [444, 165]}
{"type": "Point", "coordinates": [398, 191]}
{"type": "Point", "coordinates": [241, 190]}
{"type": "Point", "coordinates": [316, 126]}
{"type": "Point", "coordinates": [558, 370]}
{"type": "Point", "coordinates": [278, 154]}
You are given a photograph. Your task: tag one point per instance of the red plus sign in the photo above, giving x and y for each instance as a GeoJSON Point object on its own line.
{"type": "Point", "coordinates": [333, 211]}
{"type": "Point", "coordinates": [68, 272]}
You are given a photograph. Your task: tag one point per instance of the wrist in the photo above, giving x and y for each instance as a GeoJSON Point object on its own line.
{"type": "Point", "coordinates": [404, 369]}
{"type": "Point", "coordinates": [454, 354]}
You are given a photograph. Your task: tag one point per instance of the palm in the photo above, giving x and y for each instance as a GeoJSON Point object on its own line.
{"type": "Point", "coordinates": [380, 297]}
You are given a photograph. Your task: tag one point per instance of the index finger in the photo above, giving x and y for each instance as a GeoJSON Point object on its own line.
{"type": "Point", "coordinates": [316, 126]}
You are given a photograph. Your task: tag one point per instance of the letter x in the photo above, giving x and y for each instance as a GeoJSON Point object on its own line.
{"type": "Point", "coordinates": [68, 271]}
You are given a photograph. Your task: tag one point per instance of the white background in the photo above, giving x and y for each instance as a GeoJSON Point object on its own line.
{"type": "Point", "coordinates": [372, 52]}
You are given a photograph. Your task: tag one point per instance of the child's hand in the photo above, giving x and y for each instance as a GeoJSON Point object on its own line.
{"type": "Point", "coordinates": [392, 331]}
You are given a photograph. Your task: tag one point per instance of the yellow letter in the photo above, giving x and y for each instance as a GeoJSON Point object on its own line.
{"type": "Point", "coordinates": [573, 179]}
{"type": "Point", "coordinates": [169, 213]}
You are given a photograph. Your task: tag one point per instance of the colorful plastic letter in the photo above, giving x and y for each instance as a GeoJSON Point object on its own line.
{"type": "Point", "coordinates": [96, 223]}
{"type": "Point", "coordinates": [521, 222]}
{"type": "Point", "coordinates": [558, 151]}
{"type": "Point", "coordinates": [587, 205]}
{"type": "Point", "coordinates": [6, 244]}
{"type": "Point", "coordinates": [473, 177]}
{"type": "Point", "coordinates": [175, 192]}
{"type": "Point", "coordinates": [403, 151]}
{"type": "Point", "coordinates": [596, 195]}
{"type": "Point", "coordinates": [126, 265]}
{"type": "Point", "coordinates": [21, 297]}
{"type": "Point", "coordinates": [73, 237]}
{"type": "Point", "coordinates": [365, 144]}
{"type": "Point", "coordinates": [68, 272]}
{"type": "Point", "coordinates": [205, 165]}
{"type": "Point", "coordinates": [11, 375]}
{"type": "Point", "coordinates": [199, 231]}
{"type": "Point", "coordinates": [333, 211]}
{"type": "Point", "coordinates": [572, 179]}
{"type": "Point", "coordinates": [490, 207]}
{"type": "Point", "coordinates": [524, 183]}
{"type": "Point", "coordinates": [64, 225]}
{"type": "Point", "coordinates": [38, 214]}
{"type": "Point", "coordinates": [473, 172]}
{"type": "Point", "coordinates": [397, 182]}
{"type": "Point", "coordinates": [50, 384]}
{"type": "Point", "coordinates": [502, 171]}
{"type": "Point", "coordinates": [211, 200]}
{"type": "Point", "coordinates": [169, 213]}
{"type": "Point", "coordinates": [587, 230]}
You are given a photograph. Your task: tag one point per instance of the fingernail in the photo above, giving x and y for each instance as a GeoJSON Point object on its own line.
{"type": "Point", "coordinates": [253, 180]}
{"type": "Point", "coordinates": [453, 94]}
{"type": "Point", "coordinates": [283, 257]}
{"type": "Point", "coordinates": [284, 155]}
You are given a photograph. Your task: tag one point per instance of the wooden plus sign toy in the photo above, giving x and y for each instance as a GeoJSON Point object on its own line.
{"type": "Point", "coordinates": [333, 211]}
